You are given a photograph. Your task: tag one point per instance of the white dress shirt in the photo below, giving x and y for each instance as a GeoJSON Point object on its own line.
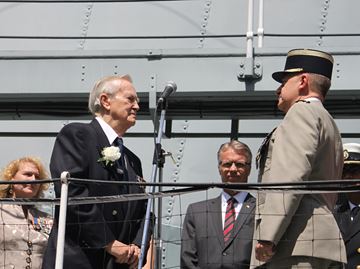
{"type": "Point", "coordinates": [240, 198]}
{"type": "Point", "coordinates": [109, 132]}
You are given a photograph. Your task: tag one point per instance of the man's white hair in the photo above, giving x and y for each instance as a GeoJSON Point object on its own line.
{"type": "Point", "coordinates": [104, 85]}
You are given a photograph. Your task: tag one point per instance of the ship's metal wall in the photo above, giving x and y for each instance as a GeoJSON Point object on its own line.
{"type": "Point", "coordinates": [59, 60]}
{"type": "Point", "coordinates": [30, 66]}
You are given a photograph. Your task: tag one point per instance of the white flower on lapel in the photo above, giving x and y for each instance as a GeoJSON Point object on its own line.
{"type": "Point", "coordinates": [110, 155]}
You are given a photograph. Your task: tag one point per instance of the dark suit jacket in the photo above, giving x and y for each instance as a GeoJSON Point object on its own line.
{"type": "Point", "coordinates": [202, 244]}
{"type": "Point", "coordinates": [350, 231]}
{"type": "Point", "coordinates": [89, 228]}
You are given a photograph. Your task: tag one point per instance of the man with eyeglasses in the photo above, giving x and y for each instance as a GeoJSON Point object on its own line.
{"type": "Point", "coordinates": [100, 235]}
{"type": "Point", "coordinates": [298, 230]}
{"type": "Point", "coordinates": [217, 233]}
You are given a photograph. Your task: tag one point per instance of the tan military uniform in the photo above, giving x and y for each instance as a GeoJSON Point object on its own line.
{"type": "Point", "coordinates": [306, 146]}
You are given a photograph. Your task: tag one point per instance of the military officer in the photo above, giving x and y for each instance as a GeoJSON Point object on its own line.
{"type": "Point", "coordinates": [298, 230]}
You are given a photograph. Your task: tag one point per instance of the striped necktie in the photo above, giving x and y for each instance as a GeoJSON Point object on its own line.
{"type": "Point", "coordinates": [229, 219]}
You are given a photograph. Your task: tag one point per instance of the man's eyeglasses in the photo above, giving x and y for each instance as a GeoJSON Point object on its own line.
{"type": "Point", "coordinates": [238, 165]}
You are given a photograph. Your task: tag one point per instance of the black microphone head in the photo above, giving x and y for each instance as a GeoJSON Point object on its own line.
{"type": "Point", "coordinates": [170, 88]}
{"type": "Point", "coordinates": [171, 84]}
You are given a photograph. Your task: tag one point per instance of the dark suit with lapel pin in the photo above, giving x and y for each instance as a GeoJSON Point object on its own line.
{"type": "Point", "coordinates": [203, 241]}
{"type": "Point", "coordinates": [91, 227]}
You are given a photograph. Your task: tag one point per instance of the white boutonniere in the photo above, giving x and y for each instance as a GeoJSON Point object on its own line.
{"type": "Point", "coordinates": [110, 155]}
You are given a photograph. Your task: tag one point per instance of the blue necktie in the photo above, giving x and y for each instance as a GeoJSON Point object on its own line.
{"type": "Point", "coordinates": [119, 143]}
{"type": "Point", "coordinates": [354, 212]}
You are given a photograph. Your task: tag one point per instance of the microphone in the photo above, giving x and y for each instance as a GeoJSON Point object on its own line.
{"type": "Point", "coordinates": [170, 88]}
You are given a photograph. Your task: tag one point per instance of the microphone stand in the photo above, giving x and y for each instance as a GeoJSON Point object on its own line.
{"type": "Point", "coordinates": [158, 163]}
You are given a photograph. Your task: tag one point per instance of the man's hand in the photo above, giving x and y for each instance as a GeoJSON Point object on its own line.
{"type": "Point", "coordinates": [124, 253]}
{"type": "Point", "coordinates": [134, 256]}
{"type": "Point", "coordinates": [264, 250]}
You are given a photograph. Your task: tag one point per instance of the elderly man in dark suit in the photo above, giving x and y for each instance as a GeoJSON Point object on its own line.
{"type": "Point", "coordinates": [295, 230]}
{"type": "Point", "coordinates": [348, 207]}
{"type": "Point", "coordinates": [217, 233]}
{"type": "Point", "coordinates": [100, 235]}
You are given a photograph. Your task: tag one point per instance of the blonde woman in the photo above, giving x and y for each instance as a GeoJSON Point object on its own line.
{"type": "Point", "coordinates": [24, 229]}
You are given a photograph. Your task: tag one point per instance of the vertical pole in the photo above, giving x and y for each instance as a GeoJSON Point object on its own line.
{"type": "Point", "coordinates": [159, 242]}
{"type": "Point", "coordinates": [62, 220]}
{"type": "Point", "coordinates": [249, 33]}
{"type": "Point", "coordinates": [261, 24]}
{"type": "Point", "coordinates": [249, 60]}
{"type": "Point", "coordinates": [152, 190]}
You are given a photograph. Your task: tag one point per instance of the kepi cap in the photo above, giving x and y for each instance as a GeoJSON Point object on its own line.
{"type": "Point", "coordinates": [306, 60]}
{"type": "Point", "coordinates": [351, 153]}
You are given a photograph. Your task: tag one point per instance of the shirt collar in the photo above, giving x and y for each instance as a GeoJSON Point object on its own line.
{"type": "Point", "coordinates": [111, 135]}
{"type": "Point", "coordinates": [239, 197]}
{"type": "Point", "coordinates": [313, 99]}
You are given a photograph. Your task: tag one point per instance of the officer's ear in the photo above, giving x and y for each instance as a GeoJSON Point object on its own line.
{"type": "Point", "coordinates": [304, 80]}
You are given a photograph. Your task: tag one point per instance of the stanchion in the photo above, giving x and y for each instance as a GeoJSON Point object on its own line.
{"type": "Point", "coordinates": [158, 163]}
{"type": "Point", "coordinates": [62, 220]}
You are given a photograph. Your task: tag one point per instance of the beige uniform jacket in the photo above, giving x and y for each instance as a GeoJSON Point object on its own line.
{"type": "Point", "coordinates": [306, 146]}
